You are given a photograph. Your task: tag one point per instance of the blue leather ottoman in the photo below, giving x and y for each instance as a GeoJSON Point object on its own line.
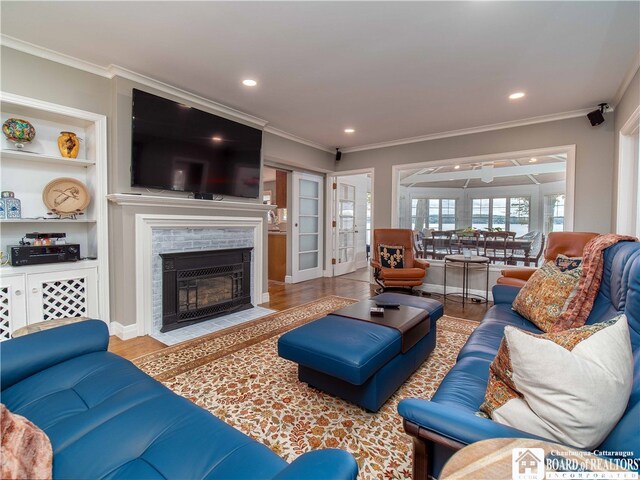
{"type": "Point", "coordinates": [359, 361]}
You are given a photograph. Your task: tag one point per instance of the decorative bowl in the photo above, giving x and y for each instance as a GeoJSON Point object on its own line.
{"type": "Point", "coordinates": [19, 131]}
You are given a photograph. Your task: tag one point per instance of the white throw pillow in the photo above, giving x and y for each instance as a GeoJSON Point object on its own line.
{"type": "Point", "coordinates": [572, 386]}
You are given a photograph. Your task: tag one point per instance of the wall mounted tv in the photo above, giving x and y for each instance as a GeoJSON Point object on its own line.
{"type": "Point", "coordinates": [180, 148]}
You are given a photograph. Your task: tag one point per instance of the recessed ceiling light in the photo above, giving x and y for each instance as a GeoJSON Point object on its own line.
{"type": "Point", "coordinates": [516, 95]}
{"type": "Point", "coordinates": [217, 139]}
{"type": "Point", "coordinates": [457, 167]}
{"type": "Point", "coordinates": [249, 83]}
{"type": "Point", "coordinates": [349, 130]}
{"type": "Point", "coordinates": [533, 160]}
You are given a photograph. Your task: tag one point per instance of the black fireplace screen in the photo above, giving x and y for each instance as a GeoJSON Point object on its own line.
{"type": "Point", "coordinates": [204, 292]}
{"type": "Point", "coordinates": [198, 286]}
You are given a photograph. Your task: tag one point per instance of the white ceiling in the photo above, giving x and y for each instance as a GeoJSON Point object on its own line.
{"type": "Point", "coordinates": [390, 70]}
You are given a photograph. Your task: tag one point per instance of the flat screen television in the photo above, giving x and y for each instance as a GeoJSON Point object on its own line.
{"type": "Point", "coordinates": [180, 148]}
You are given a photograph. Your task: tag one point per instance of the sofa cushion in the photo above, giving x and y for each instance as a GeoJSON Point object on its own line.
{"type": "Point", "coordinates": [547, 294]}
{"type": "Point", "coordinates": [100, 402]}
{"type": "Point", "coordinates": [556, 385]}
{"type": "Point", "coordinates": [485, 339]}
{"type": "Point", "coordinates": [465, 384]}
{"type": "Point", "coordinates": [25, 451]}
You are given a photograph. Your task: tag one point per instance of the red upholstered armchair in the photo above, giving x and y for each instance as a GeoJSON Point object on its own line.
{"type": "Point", "coordinates": [570, 244]}
{"type": "Point", "coordinates": [413, 270]}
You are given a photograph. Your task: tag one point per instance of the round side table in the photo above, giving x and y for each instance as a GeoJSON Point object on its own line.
{"type": "Point", "coordinates": [523, 458]}
{"type": "Point", "coordinates": [473, 262]}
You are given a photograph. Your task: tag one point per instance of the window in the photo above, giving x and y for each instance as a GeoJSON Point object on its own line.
{"type": "Point", "coordinates": [480, 213]}
{"type": "Point", "coordinates": [506, 213]}
{"type": "Point", "coordinates": [519, 215]}
{"type": "Point", "coordinates": [433, 213]}
{"type": "Point", "coordinates": [554, 213]}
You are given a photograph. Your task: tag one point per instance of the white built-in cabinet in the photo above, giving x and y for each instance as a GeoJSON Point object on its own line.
{"type": "Point", "coordinates": [35, 293]}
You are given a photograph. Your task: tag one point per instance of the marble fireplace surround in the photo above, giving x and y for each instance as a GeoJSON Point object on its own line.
{"type": "Point", "coordinates": [145, 224]}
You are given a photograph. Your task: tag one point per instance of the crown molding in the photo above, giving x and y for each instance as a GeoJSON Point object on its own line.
{"type": "Point", "coordinates": [118, 71]}
{"type": "Point", "coordinates": [469, 131]}
{"type": "Point", "coordinates": [47, 54]}
{"type": "Point", "coordinates": [633, 68]}
{"type": "Point", "coordinates": [295, 138]}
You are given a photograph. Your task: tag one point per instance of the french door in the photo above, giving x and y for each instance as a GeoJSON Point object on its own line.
{"type": "Point", "coordinates": [345, 229]}
{"type": "Point", "coordinates": [307, 220]}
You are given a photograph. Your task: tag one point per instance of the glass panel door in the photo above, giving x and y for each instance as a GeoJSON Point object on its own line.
{"type": "Point", "coordinates": [346, 227]}
{"type": "Point", "coordinates": [307, 227]}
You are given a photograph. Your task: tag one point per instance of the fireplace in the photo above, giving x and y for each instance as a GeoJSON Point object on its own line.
{"type": "Point", "coordinates": [198, 286]}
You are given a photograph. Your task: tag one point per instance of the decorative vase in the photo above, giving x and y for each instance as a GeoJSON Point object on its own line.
{"type": "Point", "coordinates": [12, 205]}
{"type": "Point", "coordinates": [18, 131]}
{"type": "Point", "coordinates": [3, 209]}
{"type": "Point", "coordinates": [68, 144]}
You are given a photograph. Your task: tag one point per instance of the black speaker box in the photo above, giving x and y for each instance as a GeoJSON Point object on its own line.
{"type": "Point", "coordinates": [595, 117]}
{"type": "Point", "coordinates": [338, 155]}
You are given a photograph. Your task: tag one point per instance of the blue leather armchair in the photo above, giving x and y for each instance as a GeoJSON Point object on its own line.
{"type": "Point", "coordinates": [107, 419]}
{"type": "Point", "coordinates": [448, 422]}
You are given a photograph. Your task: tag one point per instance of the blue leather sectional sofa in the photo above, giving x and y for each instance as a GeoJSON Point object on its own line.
{"type": "Point", "coordinates": [448, 422]}
{"type": "Point", "coordinates": [107, 419]}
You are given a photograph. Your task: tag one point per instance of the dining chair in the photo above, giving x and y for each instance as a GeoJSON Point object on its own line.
{"type": "Point", "coordinates": [498, 246]}
{"type": "Point", "coordinates": [440, 243]}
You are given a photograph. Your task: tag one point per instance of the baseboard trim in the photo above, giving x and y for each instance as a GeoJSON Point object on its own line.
{"type": "Point", "coordinates": [265, 297]}
{"type": "Point", "coordinates": [123, 332]}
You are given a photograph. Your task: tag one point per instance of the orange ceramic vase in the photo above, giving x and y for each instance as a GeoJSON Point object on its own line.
{"type": "Point", "coordinates": [68, 144]}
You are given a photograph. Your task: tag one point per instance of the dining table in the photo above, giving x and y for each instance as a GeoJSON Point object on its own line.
{"type": "Point", "coordinates": [458, 242]}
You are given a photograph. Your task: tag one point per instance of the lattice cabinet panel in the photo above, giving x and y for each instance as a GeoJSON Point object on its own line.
{"type": "Point", "coordinates": [13, 308]}
{"type": "Point", "coordinates": [62, 294]}
{"type": "Point", "coordinates": [64, 298]}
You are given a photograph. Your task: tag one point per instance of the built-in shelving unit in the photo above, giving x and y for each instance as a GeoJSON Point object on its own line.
{"type": "Point", "coordinates": [26, 172]}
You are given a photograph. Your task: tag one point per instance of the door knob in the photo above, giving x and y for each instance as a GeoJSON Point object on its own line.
{"type": "Point", "coordinates": [18, 292]}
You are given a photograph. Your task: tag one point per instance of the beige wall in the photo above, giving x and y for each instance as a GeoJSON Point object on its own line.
{"type": "Point", "coordinates": [34, 77]}
{"type": "Point", "coordinates": [594, 163]}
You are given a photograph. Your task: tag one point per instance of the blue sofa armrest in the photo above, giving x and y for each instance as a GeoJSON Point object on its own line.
{"type": "Point", "coordinates": [321, 464]}
{"type": "Point", "coordinates": [24, 356]}
{"type": "Point", "coordinates": [455, 423]}
{"type": "Point", "coordinates": [504, 293]}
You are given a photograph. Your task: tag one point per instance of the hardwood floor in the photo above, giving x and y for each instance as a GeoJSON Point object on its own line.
{"type": "Point", "coordinates": [283, 296]}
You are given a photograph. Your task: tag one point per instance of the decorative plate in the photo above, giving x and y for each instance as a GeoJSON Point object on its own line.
{"type": "Point", "coordinates": [66, 195]}
{"type": "Point", "coordinates": [18, 130]}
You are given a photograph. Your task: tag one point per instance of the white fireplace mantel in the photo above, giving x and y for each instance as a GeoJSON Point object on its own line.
{"type": "Point", "coordinates": [131, 199]}
{"type": "Point", "coordinates": [144, 225]}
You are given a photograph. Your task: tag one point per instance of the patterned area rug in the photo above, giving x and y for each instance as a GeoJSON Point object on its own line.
{"type": "Point", "coordinates": [237, 375]}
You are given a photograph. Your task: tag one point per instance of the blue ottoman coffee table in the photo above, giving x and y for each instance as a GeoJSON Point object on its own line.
{"type": "Point", "coordinates": [361, 361]}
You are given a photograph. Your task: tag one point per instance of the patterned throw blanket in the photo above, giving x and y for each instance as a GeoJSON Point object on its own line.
{"type": "Point", "coordinates": [25, 450]}
{"type": "Point", "coordinates": [581, 304]}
